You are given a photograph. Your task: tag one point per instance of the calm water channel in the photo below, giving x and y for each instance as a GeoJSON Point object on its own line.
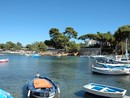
{"type": "Point", "coordinates": [69, 73]}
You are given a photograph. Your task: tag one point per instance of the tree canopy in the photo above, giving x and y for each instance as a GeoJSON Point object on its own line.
{"type": "Point", "coordinates": [122, 33]}
{"type": "Point", "coordinates": [63, 40]}
{"type": "Point", "coordinates": [70, 33]}
{"type": "Point", "coordinates": [37, 46]}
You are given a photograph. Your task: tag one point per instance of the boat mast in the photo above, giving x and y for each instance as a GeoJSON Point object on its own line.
{"type": "Point", "coordinates": [126, 50]}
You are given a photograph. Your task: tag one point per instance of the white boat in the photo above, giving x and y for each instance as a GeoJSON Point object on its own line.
{"type": "Point", "coordinates": [121, 60]}
{"type": "Point", "coordinates": [111, 71]}
{"type": "Point", "coordinates": [112, 64]}
{"type": "Point", "coordinates": [97, 56]}
{"type": "Point", "coordinates": [4, 60]}
{"type": "Point", "coordinates": [124, 59]}
{"type": "Point", "coordinates": [104, 90]}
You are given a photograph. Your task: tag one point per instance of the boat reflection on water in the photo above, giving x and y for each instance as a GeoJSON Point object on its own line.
{"type": "Point", "coordinates": [88, 95]}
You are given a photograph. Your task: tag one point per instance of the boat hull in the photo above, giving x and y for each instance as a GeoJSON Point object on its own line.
{"type": "Point", "coordinates": [104, 90]}
{"type": "Point", "coordinates": [111, 71]}
{"type": "Point", "coordinates": [110, 64]}
{"type": "Point", "coordinates": [4, 60]}
{"type": "Point", "coordinates": [42, 92]}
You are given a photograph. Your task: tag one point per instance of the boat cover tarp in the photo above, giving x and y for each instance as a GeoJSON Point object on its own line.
{"type": "Point", "coordinates": [41, 83]}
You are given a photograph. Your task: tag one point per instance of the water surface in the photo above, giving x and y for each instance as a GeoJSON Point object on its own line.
{"type": "Point", "coordinates": [69, 73]}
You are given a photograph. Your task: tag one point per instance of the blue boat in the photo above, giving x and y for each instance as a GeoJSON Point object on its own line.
{"type": "Point", "coordinates": [104, 90]}
{"type": "Point", "coordinates": [42, 87]}
{"type": "Point", "coordinates": [4, 94]}
{"type": "Point", "coordinates": [36, 55]}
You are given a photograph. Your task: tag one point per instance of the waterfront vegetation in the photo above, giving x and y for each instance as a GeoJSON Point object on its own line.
{"type": "Point", "coordinates": [108, 42]}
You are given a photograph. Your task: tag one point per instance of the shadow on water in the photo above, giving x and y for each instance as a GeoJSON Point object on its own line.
{"type": "Point", "coordinates": [80, 93]}
{"type": "Point", "coordinates": [88, 95]}
{"type": "Point", "coordinates": [24, 91]}
{"type": "Point", "coordinates": [84, 94]}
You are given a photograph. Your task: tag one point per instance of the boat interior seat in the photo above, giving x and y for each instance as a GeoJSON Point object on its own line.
{"type": "Point", "coordinates": [104, 89]}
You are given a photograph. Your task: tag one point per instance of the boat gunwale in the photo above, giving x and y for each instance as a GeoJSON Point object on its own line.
{"type": "Point", "coordinates": [121, 93]}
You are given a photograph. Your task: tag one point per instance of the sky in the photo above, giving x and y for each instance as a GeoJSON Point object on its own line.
{"type": "Point", "coordinates": [28, 21]}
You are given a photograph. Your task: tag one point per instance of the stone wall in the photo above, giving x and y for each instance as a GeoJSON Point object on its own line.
{"type": "Point", "coordinates": [90, 51]}
{"type": "Point", "coordinates": [83, 51]}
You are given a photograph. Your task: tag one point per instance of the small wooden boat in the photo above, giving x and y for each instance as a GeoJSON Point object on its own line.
{"type": "Point", "coordinates": [104, 90]}
{"type": "Point", "coordinates": [4, 60]}
{"type": "Point", "coordinates": [4, 94]}
{"type": "Point", "coordinates": [42, 87]}
{"type": "Point", "coordinates": [111, 71]}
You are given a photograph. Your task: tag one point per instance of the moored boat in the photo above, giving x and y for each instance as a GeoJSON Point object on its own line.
{"type": "Point", "coordinates": [113, 64]}
{"type": "Point", "coordinates": [111, 71]}
{"type": "Point", "coordinates": [97, 56]}
{"type": "Point", "coordinates": [105, 90]}
{"type": "Point", "coordinates": [122, 60]}
{"type": "Point", "coordinates": [4, 60]}
{"type": "Point", "coordinates": [36, 55]}
{"type": "Point", "coordinates": [42, 87]}
{"type": "Point", "coordinates": [4, 94]}
{"type": "Point", "coordinates": [125, 58]}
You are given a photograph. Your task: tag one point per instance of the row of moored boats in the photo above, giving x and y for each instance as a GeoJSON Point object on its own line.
{"type": "Point", "coordinates": [108, 67]}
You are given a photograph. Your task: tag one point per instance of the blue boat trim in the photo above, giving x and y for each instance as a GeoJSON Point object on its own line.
{"type": "Point", "coordinates": [104, 90]}
{"type": "Point", "coordinates": [4, 94]}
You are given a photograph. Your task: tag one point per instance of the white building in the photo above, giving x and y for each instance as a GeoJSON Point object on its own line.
{"type": "Point", "coordinates": [91, 42]}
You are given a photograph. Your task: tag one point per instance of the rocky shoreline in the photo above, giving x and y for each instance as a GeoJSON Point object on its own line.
{"type": "Point", "coordinates": [48, 53]}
